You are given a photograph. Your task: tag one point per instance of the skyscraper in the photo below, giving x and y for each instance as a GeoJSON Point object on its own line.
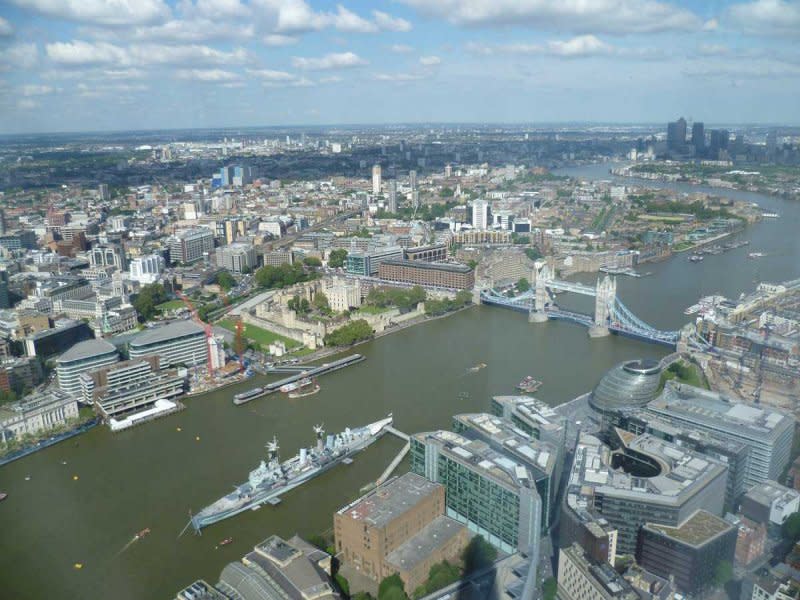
{"type": "Point", "coordinates": [412, 179]}
{"type": "Point", "coordinates": [376, 180]}
{"type": "Point", "coordinates": [480, 214]}
{"type": "Point", "coordinates": [676, 134]}
{"type": "Point", "coordinates": [698, 138]}
{"type": "Point", "coordinates": [391, 205]}
{"type": "Point", "coordinates": [719, 142]}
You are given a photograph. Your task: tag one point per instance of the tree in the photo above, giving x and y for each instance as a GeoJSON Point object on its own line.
{"type": "Point", "coordinates": [391, 588]}
{"type": "Point", "coordinates": [337, 257]}
{"type": "Point", "coordinates": [523, 285]}
{"type": "Point", "coordinates": [549, 588]}
{"type": "Point", "coordinates": [312, 261]}
{"type": "Point", "coordinates": [723, 573]}
{"type": "Point", "coordinates": [478, 555]}
{"type": "Point", "coordinates": [225, 280]}
{"type": "Point", "coordinates": [148, 298]}
{"type": "Point", "coordinates": [299, 305]}
{"type": "Point", "coordinates": [533, 253]}
{"type": "Point", "coordinates": [349, 334]}
{"type": "Point", "coordinates": [790, 530]}
{"type": "Point", "coordinates": [321, 303]}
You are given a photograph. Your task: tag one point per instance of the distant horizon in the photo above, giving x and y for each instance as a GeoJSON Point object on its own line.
{"type": "Point", "coordinates": [534, 125]}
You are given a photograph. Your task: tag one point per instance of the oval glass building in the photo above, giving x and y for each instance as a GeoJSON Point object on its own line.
{"type": "Point", "coordinates": [630, 384]}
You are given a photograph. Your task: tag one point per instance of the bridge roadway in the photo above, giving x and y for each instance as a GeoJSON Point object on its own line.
{"type": "Point", "coordinates": [622, 320]}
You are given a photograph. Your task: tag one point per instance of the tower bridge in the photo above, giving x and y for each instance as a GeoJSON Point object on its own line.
{"type": "Point", "coordinates": [610, 314]}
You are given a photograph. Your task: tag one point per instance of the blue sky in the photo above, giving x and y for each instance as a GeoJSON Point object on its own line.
{"type": "Point", "coordinates": [76, 65]}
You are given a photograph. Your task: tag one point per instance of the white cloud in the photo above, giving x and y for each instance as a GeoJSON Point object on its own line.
{"type": "Point", "coordinates": [207, 75]}
{"type": "Point", "coordinates": [101, 12]}
{"type": "Point", "coordinates": [79, 53]}
{"type": "Point", "coordinates": [387, 22]}
{"type": "Point", "coordinates": [19, 57]}
{"type": "Point", "coordinates": [297, 16]}
{"type": "Point", "coordinates": [215, 9]}
{"type": "Point", "coordinates": [398, 77]}
{"type": "Point", "coordinates": [105, 89]}
{"type": "Point", "coordinates": [766, 17]}
{"type": "Point", "coordinates": [583, 45]}
{"type": "Point", "coordinates": [597, 16]}
{"type": "Point", "coordinates": [27, 104]}
{"type": "Point", "coordinates": [713, 50]}
{"type": "Point", "coordinates": [430, 61]}
{"type": "Point", "coordinates": [32, 89]}
{"type": "Point", "coordinates": [179, 30]}
{"type": "Point", "coordinates": [6, 29]}
{"type": "Point", "coordinates": [738, 69]}
{"type": "Point", "coordinates": [276, 39]}
{"type": "Point", "coordinates": [401, 48]}
{"type": "Point", "coordinates": [269, 75]}
{"type": "Point", "coordinates": [345, 20]}
{"type": "Point", "coordinates": [335, 60]}
{"type": "Point", "coordinates": [331, 79]}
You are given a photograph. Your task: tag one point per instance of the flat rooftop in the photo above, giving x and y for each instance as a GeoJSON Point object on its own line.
{"type": "Point", "coordinates": [165, 333]}
{"type": "Point", "coordinates": [700, 528]}
{"type": "Point", "coordinates": [683, 472]}
{"type": "Point", "coordinates": [419, 547]}
{"type": "Point", "coordinates": [538, 455]}
{"type": "Point", "coordinates": [392, 499]}
{"type": "Point", "coordinates": [87, 349]}
{"type": "Point", "coordinates": [502, 468]}
{"type": "Point", "coordinates": [769, 492]}
{"type": "Point", "coordinates": [715, 411]}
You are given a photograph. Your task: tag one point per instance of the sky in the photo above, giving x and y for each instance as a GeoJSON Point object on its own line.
{"type": "Point", "coordinates": [94, 65]}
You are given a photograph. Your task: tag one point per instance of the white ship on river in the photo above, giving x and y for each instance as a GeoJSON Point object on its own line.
{"type": "Point", "coordinates": [272, 478]}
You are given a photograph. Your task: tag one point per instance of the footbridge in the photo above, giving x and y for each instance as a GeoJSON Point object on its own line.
{"type": "Point", "coordinates": [610, 314]}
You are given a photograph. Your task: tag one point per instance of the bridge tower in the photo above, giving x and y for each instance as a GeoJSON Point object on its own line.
{"type": "Point", "coordinates": [541, 275]}
{"type": "Point", "coordinates": [604, 300]}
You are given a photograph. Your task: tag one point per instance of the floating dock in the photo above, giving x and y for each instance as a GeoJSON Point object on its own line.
{"type": "Point", "coordinates": [309, 371]}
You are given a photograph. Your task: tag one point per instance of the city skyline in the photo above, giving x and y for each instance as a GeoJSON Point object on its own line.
{"type": "Point", "coordinates": [97, 66]}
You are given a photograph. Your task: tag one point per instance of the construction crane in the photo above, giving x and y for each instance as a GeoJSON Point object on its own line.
{"type": "Point", "coordinates": [205, 325]}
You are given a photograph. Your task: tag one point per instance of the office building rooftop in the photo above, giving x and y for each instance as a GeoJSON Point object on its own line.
{"type": "Point", "coordinates": [538, 455]}
{"type": "Point", "coordinates": [700, 528]}
{"type": "Point", "coordinates": [720, 412]}
{"type": "Point", "coordinates": [389, 501]}
{"type": "Point", "coordinates": [420, 546]}
{"type": "Point", "coordinates": [166, 333]}
{"type": "Point", "coordinates": [87, 349]}
{"type": "Point", "coordinates": [661, 472]}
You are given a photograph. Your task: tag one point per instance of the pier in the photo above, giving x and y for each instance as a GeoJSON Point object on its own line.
{"type": "Point", "coordinates": [394, 464]}
{"type": "Point", "coordinates": [395, 461]}
{"type": "Point", "coordinates": [307, 371]}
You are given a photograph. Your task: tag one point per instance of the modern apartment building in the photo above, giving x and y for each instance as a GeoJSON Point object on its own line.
{"type": "Point", "coordinates": [366, 263]}
{"type": "Point", "coordinates": [80, 358]}
{"type": "Point", "coordinates": [190, 245]}
{"type": "Point", "coordinates": [179, 343]}
{"type": "Point", "coordinates": [130, 386]}
{"type": "Point", "coordinates": [642, 479]}
{"type": "Point", "coordinates": [489, 491]}
{"type": "Point", "coordinates": [542, 459]}
{"type": "Point", "coordinates": [766, 431]}
{"type": "Point", "coordinates": [237, 257]}
{"type": "Point", "coordinates": [689, 552]}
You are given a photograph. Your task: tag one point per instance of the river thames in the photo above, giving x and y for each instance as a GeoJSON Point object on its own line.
{"type": "Point", "coordinates": [153, 475]}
